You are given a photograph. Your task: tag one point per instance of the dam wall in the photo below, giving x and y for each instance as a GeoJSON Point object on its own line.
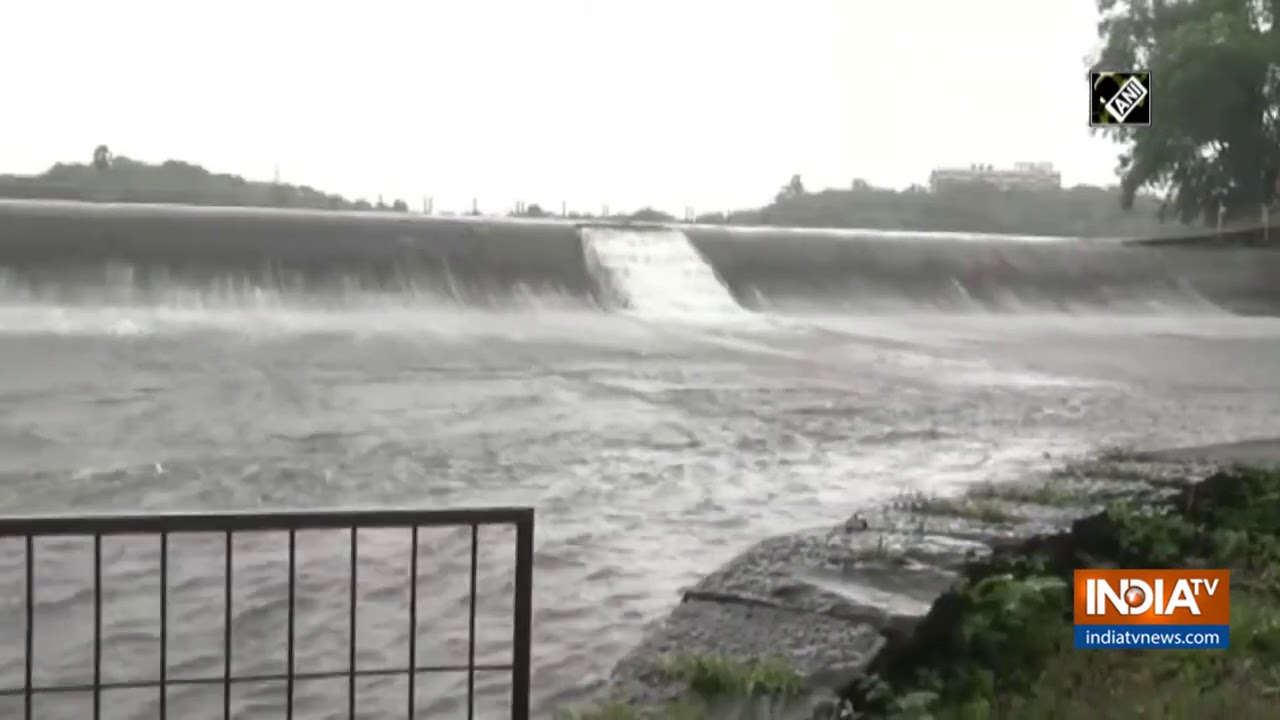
{"type": "Point", "coordinates": [57, 243]}
{"type": "Point", "coordinates": [64, 239]}
{"type": "Point", "coordinates": [872, 270]}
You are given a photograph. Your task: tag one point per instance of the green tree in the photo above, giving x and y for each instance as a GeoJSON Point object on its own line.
{"type": "Point", "coordinates": [1214, 141]}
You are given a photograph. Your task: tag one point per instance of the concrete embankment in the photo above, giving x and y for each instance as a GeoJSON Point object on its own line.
{"type": "Point", "coordinates": [825, 600]}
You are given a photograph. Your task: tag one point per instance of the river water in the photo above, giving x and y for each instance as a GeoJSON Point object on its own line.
{"type": "Point", "coordinates": [652, 449]}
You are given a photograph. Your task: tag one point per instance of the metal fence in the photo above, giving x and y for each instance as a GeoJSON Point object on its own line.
{"type": "Point", "coordinates": [227, 524]}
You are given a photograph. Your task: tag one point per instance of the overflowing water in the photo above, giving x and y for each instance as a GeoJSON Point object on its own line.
{"type": "Point", "coordinates": [658, 274]}
{"type": "Point", "coordinates": [652, 448]}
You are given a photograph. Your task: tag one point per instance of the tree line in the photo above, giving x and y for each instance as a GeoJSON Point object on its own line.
{"type": "Point", "coordinates": [1080, 211]}
{"type": "Point", "coordinates": [116, 178]}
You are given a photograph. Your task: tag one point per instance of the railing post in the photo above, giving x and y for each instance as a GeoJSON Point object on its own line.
{"type": "Point", "coordinates": [521, 645]}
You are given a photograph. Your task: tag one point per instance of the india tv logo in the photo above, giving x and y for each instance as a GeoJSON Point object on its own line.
{"type": "Point", "coordinates": [1152, 609]}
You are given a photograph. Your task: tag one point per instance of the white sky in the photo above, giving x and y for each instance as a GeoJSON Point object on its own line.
{"type": "Point", "coordinates": [707, 103]}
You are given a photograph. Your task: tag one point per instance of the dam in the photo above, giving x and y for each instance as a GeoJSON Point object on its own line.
{"type": "Point", "coordinates": [485, 261]}
{"type": "Point", "coordinates": [664, 396]}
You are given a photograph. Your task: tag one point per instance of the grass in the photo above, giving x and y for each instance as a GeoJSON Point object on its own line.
{"type": "Point", "coordinates": [883, 552]}
{"type": "Point", "coordinates": [713, 675]}
{"type": "Point", "coordinates": [1050, 493]}
{"type": "Point", "coordinates": [999, 645]}
{"type": "Point", "coordinates": [972, 507]}
{"type": "Point", "coordinates": [1118, 465]}
{"type": "Point", "coordinates": [715, 687]}
{"type": "Point", "coordinates": [990, 502]}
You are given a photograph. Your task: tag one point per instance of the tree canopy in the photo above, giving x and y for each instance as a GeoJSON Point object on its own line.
{"type": "Point", "coordinates": [1214, 140]}
{"type": "Point", "coordinates": [1080, 211]}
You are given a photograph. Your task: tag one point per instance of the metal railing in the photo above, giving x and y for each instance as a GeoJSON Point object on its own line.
{"type": "Point", "coordinates": [229, 523]}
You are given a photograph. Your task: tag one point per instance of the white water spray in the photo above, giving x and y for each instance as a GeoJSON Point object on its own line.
{"type": "Point", "coordinates": [657, 273]}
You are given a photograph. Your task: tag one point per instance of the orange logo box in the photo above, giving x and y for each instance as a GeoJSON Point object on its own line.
{"type": "Point", "coordinates": [1152, 597]}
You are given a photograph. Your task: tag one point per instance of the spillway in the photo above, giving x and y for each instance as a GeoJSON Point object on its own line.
{"type": "Point", "coordinates": [69, 250]}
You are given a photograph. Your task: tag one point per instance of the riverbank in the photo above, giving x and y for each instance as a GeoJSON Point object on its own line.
{"type": "Point", "coordinates": [957, 605]}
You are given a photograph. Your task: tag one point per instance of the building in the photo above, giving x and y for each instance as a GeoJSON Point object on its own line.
{"type": "Point", "coordinates": [1023, 175]}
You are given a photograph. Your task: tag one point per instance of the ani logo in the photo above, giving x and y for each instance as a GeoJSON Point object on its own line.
{"type": "Point", "coordinates": [1120, 99]}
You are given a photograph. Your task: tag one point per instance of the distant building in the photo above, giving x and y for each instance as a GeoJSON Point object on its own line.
{"type": "Point", "coordinates": [1024, 175]}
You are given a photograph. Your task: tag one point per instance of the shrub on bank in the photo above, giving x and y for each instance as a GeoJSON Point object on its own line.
{"type": "Point", "coordinates": [1000, 644]}
{"type": "Point", "coordinates": [717, 688]}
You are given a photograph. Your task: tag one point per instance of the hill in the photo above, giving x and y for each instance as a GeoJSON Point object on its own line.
{"type": "Point", "coordinates": [121, 179]}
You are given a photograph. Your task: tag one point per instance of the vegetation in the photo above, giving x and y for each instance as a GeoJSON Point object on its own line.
{"type": "Point", "coordinates": [1216, 67]}
{"type": "Point", "coordinates": [1081, 211]}
{"type": "Point", "coordinates": [972, 507]}
{"type": "Point", "coordinates": [717, 687]}
{"type": "Point", "coordinates": [114, 178]}
{"type": "Point", "coordinates": [1000, 644]}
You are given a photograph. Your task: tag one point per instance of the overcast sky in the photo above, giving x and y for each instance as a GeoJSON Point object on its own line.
{"type": "Point", "coordinates": [708, 103]}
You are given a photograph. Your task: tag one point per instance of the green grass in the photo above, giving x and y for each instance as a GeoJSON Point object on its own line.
{"type": "Point", "coordinates": [1117, 468]}
{"type": "Point", "coordinates": [982, 509]}
{"type": "Point", "coordinates": [712, 675]}
{"type": "Point", "coordinates": [883, 551]}
{"type": "Point", "coordinates": [1051, 493]}
{"type": "Point", "coordinates": [1000, 644]}
{"type": "Point", "coordinates": [715, 687]}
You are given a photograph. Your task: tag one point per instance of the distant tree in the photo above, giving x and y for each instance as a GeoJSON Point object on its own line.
{"type": "Point", "coordinates": [651, 215]}
{"type": "Point", "coordinates": [400, 206]}
{"type": "Point", "coordinates": [860, 184]}
{"type": "Point", "coordinates": [101, 157]}
{"type": "Point", "coordinates": [791, 190]}
{"type": "Point", "coordinates": [535, 210]}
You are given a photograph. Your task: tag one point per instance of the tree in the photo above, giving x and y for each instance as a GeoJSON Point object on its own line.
{"type": "Point", "coordinates": [1214, 141]}
{"type": "Point", "coordinates": [101, 157]}
{"type": "Point", "coordinates": [400, 206]}
{"type": "Point", "coordinates": [791, 190]}
{"type": "Point", "coordinates": [648, 214]}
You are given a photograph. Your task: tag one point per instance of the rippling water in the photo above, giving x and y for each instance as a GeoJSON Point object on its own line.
{"type": "Point", "coordinates": [652, 452]}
